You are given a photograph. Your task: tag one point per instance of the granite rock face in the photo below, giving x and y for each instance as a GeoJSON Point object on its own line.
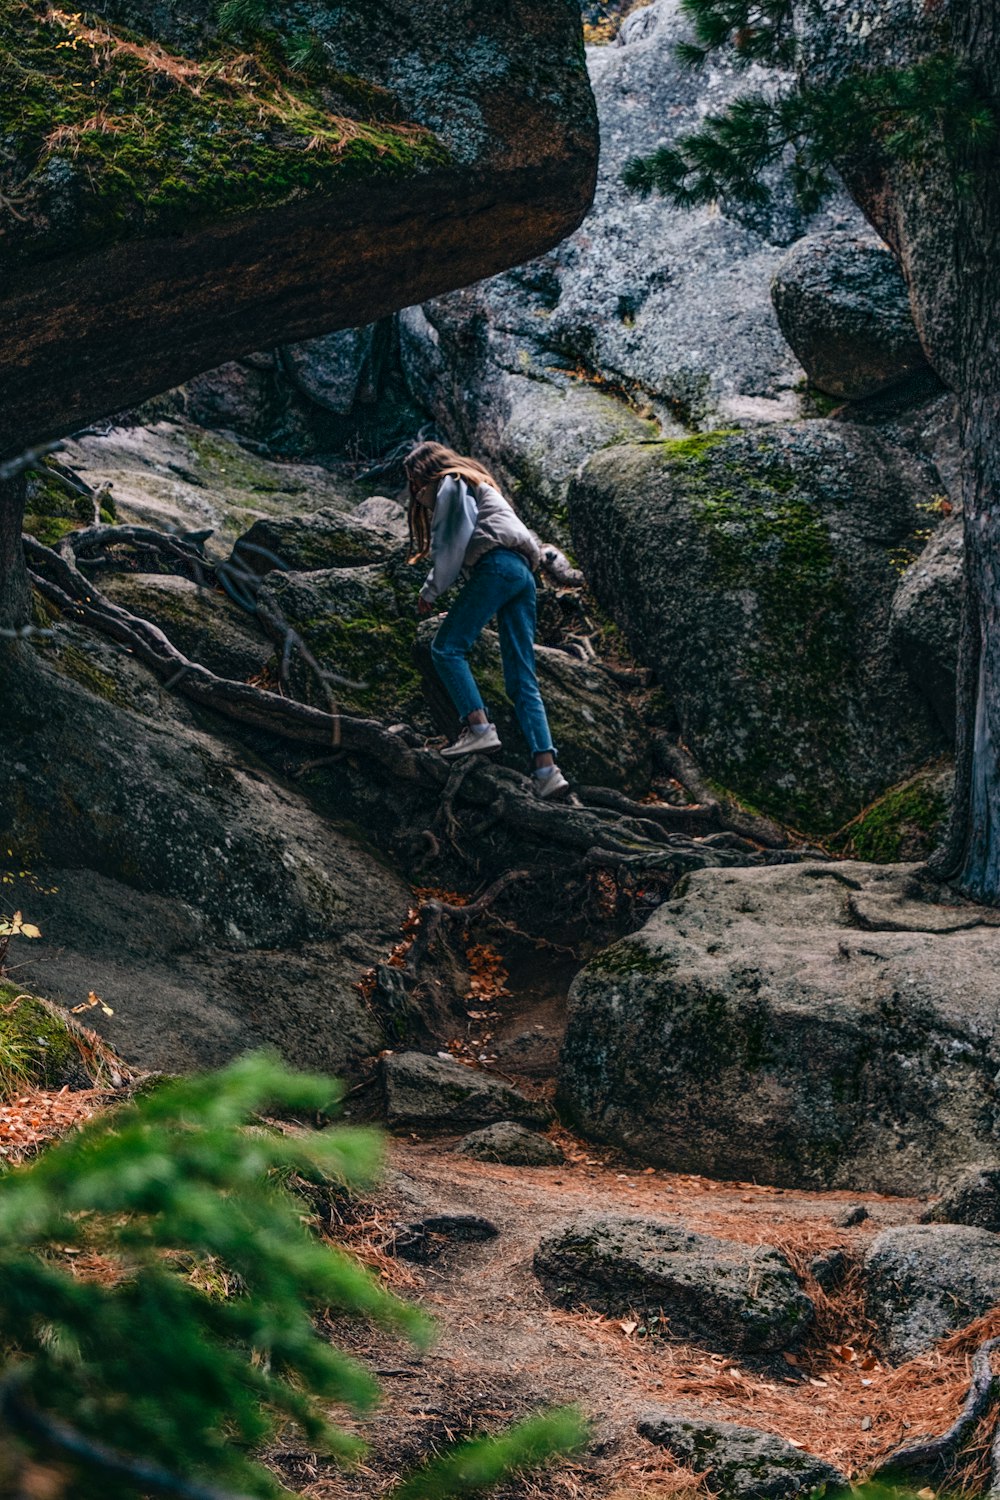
{"type": "Point", "coordinates": [647, 317]}
{"type": "Point", "coordinates": [818, 1025]}
{"type": "Point", "coordinates": [842, 305]}
{"type": "Point", "coordinates": [754, 573]}
{"type": "Point", "coordinates": [207, 903]}
{"type": "Point", "coordinates": [973, 1199]}
{"type": "Point", "coordinates": [923, 1281]}
{"type": "Point", "coordinates": [728, 1296]}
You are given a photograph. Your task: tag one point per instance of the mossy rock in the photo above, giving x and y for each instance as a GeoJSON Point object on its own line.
{"type": "Point", "coordinates": [251, 179]}
{"type": "Point", "coordinates": [53, 510]}
{"type": "Point", "coordinates": [360, 623]}
{"type": "Point", "coordinates": [203, 623]}
{"type": "Point", "coordinates": [754, 572]}
{"type": "Point", "coordinates": [37, 1050]}
{"type": "Point", "coordinates": [116, 135]}
{"type": "Point", "coordinates": [168, 473]}
{"type": "Point", "coordinates": [325, 538]}
{"type": "Point", "coordinates": [906, 823]}
{"type": "Point", "coordinates": [742, 1463]}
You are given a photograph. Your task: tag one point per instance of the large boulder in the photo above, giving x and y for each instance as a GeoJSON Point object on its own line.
{"type": "Point", "coordinates": [648, 316]}
{"type": "Point", "coordinates": [754, 572]}
{"type": "Point", "coordinates": [209, 905]}
{"type": "Point", "coordinates": [741, 1463]}
{"type": "Point", "coordinates": [818, 1025]}
{"type": "Point", "coordinates": [241, 201]}
{"type": "Point", "coordinates": [842, 304]}
{"type": "Point", "coordinates": [923, 1281]}
{"type": "Point", "coordinates": [732, 1297]}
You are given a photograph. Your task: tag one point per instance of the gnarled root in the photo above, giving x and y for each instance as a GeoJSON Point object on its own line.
{"type": "Point", "coordinates": [931, 1456]}
{"type": "Point", "coordinates": [609, 831]}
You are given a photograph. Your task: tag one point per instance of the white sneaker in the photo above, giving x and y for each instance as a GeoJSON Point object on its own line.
{"type": "Point", "coordinates": [470, 743]}
{"type": "Point", "coordinates": [552, 785]}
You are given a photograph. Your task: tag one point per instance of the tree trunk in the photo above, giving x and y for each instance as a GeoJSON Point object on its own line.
{"type": "Point", "coordinates": [971, 855]}
{"type": "Point", "coordinates": [15, 594]}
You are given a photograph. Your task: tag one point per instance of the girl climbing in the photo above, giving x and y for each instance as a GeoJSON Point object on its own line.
{"type": "Point", "coordinates": [459, 519]}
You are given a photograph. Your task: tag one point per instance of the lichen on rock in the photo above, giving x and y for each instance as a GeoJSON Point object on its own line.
{"type": "Point", "coordinates": [754, 572]}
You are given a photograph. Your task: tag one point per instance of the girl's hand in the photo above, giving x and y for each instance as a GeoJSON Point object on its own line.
{"type": "Point", "coordinates": [423, 608]}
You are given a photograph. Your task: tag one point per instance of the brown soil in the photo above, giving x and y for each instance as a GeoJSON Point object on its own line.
{"type": "Point", "coordinates": [503, 1350]}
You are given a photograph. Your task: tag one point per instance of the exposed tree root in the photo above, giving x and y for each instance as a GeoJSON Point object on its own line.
{"type": "Point", "coordinates": [434, 913]}
{"type": "Point", "coordinates": [683, 766]}
{"type": "Point", "coordinates": [934, 1455]}
{"type": "Point", "coordinates": [608, 830]}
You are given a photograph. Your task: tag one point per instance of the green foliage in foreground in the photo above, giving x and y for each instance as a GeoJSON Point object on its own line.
{"type": "Point", "coordinates": [198, 1336]}
{"type": "Point", "coordinates": [902, 113]}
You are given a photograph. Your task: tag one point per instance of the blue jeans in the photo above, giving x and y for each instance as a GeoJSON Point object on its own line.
{"type": "Point", "coordinates": [501, 584]}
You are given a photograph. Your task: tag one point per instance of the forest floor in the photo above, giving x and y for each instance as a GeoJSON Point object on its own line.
{"type": "Point", "coordinates": [502, 1349]}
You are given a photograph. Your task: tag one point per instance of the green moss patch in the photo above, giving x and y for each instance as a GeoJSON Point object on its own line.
{"type": "Point", "coordinates": [766, 535]}
{"type": "Point", "coordinates": [625, 959]}
{"type": "Point", "coordinates": [77, 665]}
{"type": "Point", "coordinates": [52, 510]}
{"type": "Point", "coordinates": [36, 1049]}
{"type": "Point", "coordinates": [111, 135]}
{"type": "Point", "coordinates": [907, 823]}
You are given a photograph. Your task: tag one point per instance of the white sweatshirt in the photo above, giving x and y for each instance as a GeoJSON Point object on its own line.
{"type": "Point", "coordinates": [465, 525]}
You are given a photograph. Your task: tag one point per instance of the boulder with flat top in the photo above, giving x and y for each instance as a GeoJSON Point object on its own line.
{"type": "Point", "coordinates": [817, 1025]}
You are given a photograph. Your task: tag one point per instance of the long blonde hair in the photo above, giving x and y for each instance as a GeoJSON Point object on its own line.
{"type": "Point", "coordinates": [429, 463]}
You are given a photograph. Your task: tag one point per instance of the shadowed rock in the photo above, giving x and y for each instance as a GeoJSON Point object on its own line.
{"type": "Point", "coordinates": [729, 1296]}
{"type": "Point", "coordinates": [210, 906]}
{"type": "Point", "coordinates": [239, 201]}
{"type": "Point", "coordinates": [438, 1093]}
{"type": "Point", "coordinates": [974, 1199]}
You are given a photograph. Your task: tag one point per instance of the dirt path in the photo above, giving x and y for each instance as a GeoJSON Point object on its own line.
{"type": "Point", "coordinates": [504, 1350]}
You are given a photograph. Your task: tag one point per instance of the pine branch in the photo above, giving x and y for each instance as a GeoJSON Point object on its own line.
{"type": "Point", "coordinates": [901, 114]}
